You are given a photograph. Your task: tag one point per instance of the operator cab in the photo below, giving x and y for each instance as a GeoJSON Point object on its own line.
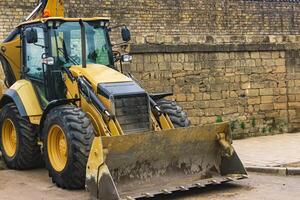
{"type": "Point", "coordinates": [66, 42]}
{"type": "Point", "coordinates": [52, 44]}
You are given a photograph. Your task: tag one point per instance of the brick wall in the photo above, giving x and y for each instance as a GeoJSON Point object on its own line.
{"type": "Point", "coordinates": [232, 60]}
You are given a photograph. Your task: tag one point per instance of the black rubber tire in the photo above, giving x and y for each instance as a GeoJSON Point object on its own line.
{"type": "Point", "coordinates": [28, 152]}
{"type": "Point", "coordinates": [175, 112]}
{"type": "Point", "coordinates": [79, 133]}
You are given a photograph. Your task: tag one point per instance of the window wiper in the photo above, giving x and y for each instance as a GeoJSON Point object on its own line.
{"type": "Point", "coordinates": [64, 50]}
{"type": "Point", "coordinates": [67, 57]}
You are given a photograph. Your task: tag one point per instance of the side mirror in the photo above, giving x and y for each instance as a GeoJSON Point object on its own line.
{"type": "Point", "coordinates": [126, 35]}
{"type": "Point", "coordinates": [31, 36]}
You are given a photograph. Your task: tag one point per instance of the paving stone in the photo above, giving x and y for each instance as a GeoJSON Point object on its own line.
{"type": "Point", "coordinates": [269, 151]}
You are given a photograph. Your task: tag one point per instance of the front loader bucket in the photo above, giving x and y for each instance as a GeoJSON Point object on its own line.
{"type": "Point", "coordinates": [147, 164]}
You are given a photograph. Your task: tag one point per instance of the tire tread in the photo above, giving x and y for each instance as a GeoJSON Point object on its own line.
{"type": "Point", "coordinates": [29, 153]}
{"type": "Point", "coordinates": [81, 134]}
{"type": "Point", "coordinates": [175, 112]}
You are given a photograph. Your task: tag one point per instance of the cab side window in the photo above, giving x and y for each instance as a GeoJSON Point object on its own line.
{"type": "Point", "coordinates": [34, 53]}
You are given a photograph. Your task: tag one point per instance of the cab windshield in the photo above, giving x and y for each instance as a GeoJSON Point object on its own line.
{"type": "Point", "coordinates": [66, 43]}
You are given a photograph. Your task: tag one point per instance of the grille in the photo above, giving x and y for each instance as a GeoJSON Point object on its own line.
{"type": "Point", "coordinates": [132, 112]}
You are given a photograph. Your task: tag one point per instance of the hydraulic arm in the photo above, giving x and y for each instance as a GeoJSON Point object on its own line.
{"type": "Point", "coordinates": [47, 8]}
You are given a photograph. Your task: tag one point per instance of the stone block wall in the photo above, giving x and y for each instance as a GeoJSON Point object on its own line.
{"type": "Point", "coordinates": [257, 91]}
{"type": "Point", "coordinates": [293, 87]}
{"type": "Point", "coordinates": [185, 21]}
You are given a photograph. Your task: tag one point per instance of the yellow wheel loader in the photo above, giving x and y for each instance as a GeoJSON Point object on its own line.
{"type": "Point", "coordinates": [70, 108]}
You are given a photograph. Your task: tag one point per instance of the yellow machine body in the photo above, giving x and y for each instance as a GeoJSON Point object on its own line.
{"type": "Point", "coordinates": [12, 52]}
{"type": "Point", "coordinates": [55, 8]}
{"type": "Point", "coordinates": [24, 96]}
{"type": "Point", "coordinates": [28, 97]}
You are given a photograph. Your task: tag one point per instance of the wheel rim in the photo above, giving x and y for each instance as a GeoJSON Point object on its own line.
{"type": "Point", "coordinates": [9, 138]}
{"type": "Point", "coordinates": [57, 148]}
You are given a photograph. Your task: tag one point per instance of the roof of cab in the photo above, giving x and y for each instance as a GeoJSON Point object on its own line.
{"type": "Point", "coordinates": [44, 20]}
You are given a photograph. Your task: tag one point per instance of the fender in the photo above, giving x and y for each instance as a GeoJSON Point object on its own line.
{"type": "Point", "coordinates": [22, 94]}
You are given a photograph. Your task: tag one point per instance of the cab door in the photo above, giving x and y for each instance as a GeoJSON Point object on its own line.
{"type": "Point", "coordinates": [33, 55]}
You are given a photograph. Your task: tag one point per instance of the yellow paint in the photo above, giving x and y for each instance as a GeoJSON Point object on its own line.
{"type": "Point", "coordinates": [96, 158]}
{"type": "Point", "coordinates": [98, 129]}
{"type": "Point", "coordinates": [56, 8]}
{"type": "Point", "coordinates": [29, 99]}
{"type": "Point", "coordinates": [164, 123]}
{"type": "Point", "coordinates": [106, 102]}
{"type": "Point", "coordinates": [73, 91]}
{"type": "Point", "coordinates": [96, 74]}
{"type": "Point", "coordinates": [224, 141]}
{"type": "Point", "coordinates": [102, 127]}
{"type": "Point", "coordinates": [35, 119]}
{"type": "Point", "coordinates": [53, 8]}
{"type": "Point", "coordinates": [57, 148]}
{"type": "Point", "coordinates": [119, 127]}
{"type": "Point", "coordinates": [175, 137]}
{"type": "Point", "coordinates": [96, 117]}
{"type": "Point", "coordinates": [155, 124]}
{"type": "Point", "coordinates": [9, 138]}
{"type": "Point", "coordinates": [13, 55]}
{"type": "Point", "coordinates": [96, 167]}
{"type": "Point", "coordinates": [169, 121]}
{"type": "Point", "coordinates": [113, 128]}
{"type": "Point", "coordinates": [76, 71]}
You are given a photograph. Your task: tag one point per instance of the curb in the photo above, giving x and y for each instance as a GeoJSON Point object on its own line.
{"type": "Point", "coordinates": [282, 171]}
{"type": "Point", "coordinates": [292, 171]}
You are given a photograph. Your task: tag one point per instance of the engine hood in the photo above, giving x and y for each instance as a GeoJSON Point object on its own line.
{"type": "Point", "coordinates": [98, 74]}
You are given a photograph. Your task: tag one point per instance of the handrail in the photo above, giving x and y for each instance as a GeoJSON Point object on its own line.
{"type": "Point", "coordinates": [54, 8]}
{"type": "Point", "coordinates": [35, 12]}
